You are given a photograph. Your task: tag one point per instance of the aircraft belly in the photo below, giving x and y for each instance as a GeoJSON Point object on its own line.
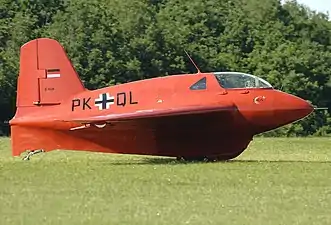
{"type": "Point", "coordinates": [213, 133]}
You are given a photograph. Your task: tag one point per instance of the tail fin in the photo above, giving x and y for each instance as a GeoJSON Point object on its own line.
{"type": "Point", "coordinates": [46, 75]}
{"type": "Point", "coordinates": [46, 78]}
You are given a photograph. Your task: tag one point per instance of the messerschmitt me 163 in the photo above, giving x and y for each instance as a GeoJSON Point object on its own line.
{"type": "Point", "coordinates": [210, 115]}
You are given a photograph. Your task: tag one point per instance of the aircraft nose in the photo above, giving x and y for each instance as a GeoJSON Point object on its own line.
{"type": "Point", "coordinates": [289, 108]}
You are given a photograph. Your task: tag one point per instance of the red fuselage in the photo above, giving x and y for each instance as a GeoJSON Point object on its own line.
{"type": "Point", "coordinates": [249, 111]}
{"type": "Point", "coordinates": [191, 115]}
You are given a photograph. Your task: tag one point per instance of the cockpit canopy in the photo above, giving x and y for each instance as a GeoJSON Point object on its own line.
{"type": "Point", "coordinates": [229, 80]}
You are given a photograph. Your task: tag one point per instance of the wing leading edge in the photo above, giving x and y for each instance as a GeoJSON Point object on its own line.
{"type": "Point", "coordinates": [145, 114]}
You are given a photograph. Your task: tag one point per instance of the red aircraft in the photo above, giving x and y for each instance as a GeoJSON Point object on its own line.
{"type": "Point", "coordinates": [190, 116]}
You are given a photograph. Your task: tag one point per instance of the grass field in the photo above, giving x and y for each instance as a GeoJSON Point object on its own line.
{"type": "Point", "coordinates": [276, 181]}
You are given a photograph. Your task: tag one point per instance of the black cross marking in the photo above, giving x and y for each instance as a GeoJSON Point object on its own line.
{"type": "Point", "coordinates": [104, 101]}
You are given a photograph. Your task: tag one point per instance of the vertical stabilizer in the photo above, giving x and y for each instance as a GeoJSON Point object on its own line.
{"type": "Point", "coordinates": [46, 75]}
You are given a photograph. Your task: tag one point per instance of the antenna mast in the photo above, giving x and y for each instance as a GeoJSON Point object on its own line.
{"type": "Point", "coordinates": [192, 62]}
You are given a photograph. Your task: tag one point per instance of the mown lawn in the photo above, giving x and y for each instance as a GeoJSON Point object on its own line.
{"type": "Point", "coordinates": [276, 181]}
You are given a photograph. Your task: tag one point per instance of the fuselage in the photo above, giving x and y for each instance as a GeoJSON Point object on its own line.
{"type": "Point", "coordinates": [206, 114]}
{"type": "Point", "coordinates": [257, 108]}
{"type": "Point", "coordinates": [252, 109]}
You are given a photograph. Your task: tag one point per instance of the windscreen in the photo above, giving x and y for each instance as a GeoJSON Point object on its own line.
{"type": "Point", "coordinates": [230, 80]}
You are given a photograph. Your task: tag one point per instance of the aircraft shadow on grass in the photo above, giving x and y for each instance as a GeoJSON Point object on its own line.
{"type": "Point", "coordinates": [171, 161]}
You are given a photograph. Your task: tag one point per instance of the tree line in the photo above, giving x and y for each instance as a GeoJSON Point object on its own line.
{"type": "Point", "coordinates": [116, 41]}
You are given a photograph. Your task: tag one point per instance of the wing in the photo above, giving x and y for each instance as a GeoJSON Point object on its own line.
{"type": "Point", "coordinates": [153, 113]}
{"type": "Point", "coordinates": [166, 132]}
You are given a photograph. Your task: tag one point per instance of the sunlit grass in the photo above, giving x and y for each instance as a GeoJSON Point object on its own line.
{"type": "Point", "coordinates": [275, 181]}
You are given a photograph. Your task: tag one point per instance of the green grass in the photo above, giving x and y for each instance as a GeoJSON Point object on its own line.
{"type": "Point", "coordinates": [275, 181]}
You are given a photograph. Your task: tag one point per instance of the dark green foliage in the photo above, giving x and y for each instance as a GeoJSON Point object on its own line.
{"type": "Point", "coordinates": [115, 41]}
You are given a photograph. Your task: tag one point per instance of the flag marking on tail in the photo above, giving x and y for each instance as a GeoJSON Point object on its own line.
{"type": "Point", "coordinates": [53, 73]}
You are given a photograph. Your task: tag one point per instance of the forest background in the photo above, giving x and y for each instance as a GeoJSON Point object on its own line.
{"type": "Point", "coordinates": [115, 41]}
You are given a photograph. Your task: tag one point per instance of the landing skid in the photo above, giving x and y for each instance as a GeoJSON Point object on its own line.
{"type": "Point", "coordinates": [208, 158]}
{"type": "Point", "coordinates": [191, 159]}
{"type": "Point", "coordinates": [31, 153]}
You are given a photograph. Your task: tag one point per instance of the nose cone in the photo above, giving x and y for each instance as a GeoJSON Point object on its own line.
{"type": "Point", "coordinates": [289, 108]}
